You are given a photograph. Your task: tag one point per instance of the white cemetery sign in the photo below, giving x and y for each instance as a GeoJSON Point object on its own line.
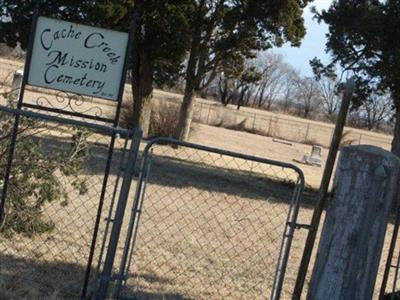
{"type": "Point", "coordinates": [78, 58]}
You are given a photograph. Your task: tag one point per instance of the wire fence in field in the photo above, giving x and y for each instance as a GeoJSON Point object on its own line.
{"type": "Point", "coordinates": [260, 123]}
{"type": "Point", "coordinates": [273, 125]}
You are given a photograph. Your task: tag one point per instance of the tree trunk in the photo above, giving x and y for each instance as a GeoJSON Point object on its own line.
{"type": "Point", "coordinates": [241, 97]}
{"type": "Point", "coordinates": [142, 90]}
{"type": "Point", "coordinates": [186, 112]}
{"type": "Point", "coordinates": [261, 96]}
{"type": "Point", "coordinates": [305, 114]}
{"type": "Point", "coordinates": [224, 98]}
{"type": "Point", "coordinates": [269, 104]}
{"type": "Point", "coordinates": [396, 139]}
{"type": "Point", "coordinates": [185, 115]}
{"type": "Point", "coordinates": [247, 97]}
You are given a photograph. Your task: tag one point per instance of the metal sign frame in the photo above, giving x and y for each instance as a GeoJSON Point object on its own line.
{"type": "Point", "coordinates": [87, 119]}
{"type": "Point", "coordinates": [21, 104]}
{"type": "Point", "coordinates": [76, 58]}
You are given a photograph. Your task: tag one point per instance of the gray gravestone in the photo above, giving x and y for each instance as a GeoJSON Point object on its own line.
{"type": "Point", "coordinates": [354, 230]}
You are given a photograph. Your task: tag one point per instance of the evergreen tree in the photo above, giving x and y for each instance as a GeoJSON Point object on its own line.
{"type": "Point", "coordinates": [160, 44]}
{"type": "Point", "coordinates": [364, 39]}
{"type": "Point", "coordinates": [224, 29]}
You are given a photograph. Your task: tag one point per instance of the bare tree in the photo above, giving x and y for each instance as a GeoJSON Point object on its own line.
{"type": "Point", "coordinates": [272, 84]}
{"type": "Point", "coordinates": [238, 82]}
{"type": "Point", "coordinates": [329, 97]}
{"type": "Point", "coordinates": [307, 95]}
{"type": "Point", "coordinates": [378, 109]}
{"type": "Point", "coordinates": [286, 102]}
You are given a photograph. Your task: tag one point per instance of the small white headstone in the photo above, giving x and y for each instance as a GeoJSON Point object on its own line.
{"type": "Point", "coordinates": [315, 157]}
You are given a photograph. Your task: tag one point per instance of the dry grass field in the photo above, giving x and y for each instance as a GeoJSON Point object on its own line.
{"type": "Point", "coordinates": [211, 226]}
{"type": "Point", "coordinates": [52, 265]}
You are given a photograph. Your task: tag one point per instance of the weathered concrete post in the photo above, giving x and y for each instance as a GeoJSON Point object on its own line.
{"type": "Point", "coordinates": [353, 235]}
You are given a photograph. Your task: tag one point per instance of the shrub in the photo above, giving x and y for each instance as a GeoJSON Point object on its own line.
{"type": "Point", "coordinates": [164, 120]}
{"type": "Point", "coordinates": [310, 141]}
{"type": "Point", "coordinates": [35, 175]}
{"type": "Point", "coordinates": [241, 126]}
{"type": "Point", "coordinates": [346, 140]}
{"type": "Point", "coordinates": [126, 118]}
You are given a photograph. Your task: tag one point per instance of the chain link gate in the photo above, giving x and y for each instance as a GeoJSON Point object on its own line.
{"type": "Point", "coordinates": [209, 224]}
{"type": "Point", "coordinates": [50, 249]}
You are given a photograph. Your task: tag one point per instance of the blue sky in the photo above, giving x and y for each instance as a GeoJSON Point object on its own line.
{"type": "Point", "coordinates": [313, 44]}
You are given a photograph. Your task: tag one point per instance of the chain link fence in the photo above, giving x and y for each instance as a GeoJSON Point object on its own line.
{"type": "Point", "coordinates": [262, 123]}
{"type": "Point", "coordinates": [388, 281]}
{"type": "Point", "coordinates": [51, 210]}
{"type": "Point", "coordinates": [272, 125]}
{"type": "Point", "coordinates": [58, 183]}
{"type": "Point", "coordinates": [209, 224]}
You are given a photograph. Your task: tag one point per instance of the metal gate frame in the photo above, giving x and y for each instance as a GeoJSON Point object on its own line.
{"type": "Point", "coordinates": [33, 108]}
{"type": "Point", "coordinates": [392, 263]}
{"type": "Point", "coordinates": [113, 132]}
{"type": "Point", "coordinates": [290, 226]}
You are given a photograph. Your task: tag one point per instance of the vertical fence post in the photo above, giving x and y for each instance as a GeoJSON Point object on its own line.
{"type": "Point", "coordinates": [356, 220]}
{"type": "Point", "coordinates": [359, 140]}
{"type": "Point", "coordinates": [105, 276]}
{"type": "Point", "coordinates": [201, 109]}
{"type": "Point", "coordinates": [208, 115]}
{"type": "Point", "coordinates": [254, 121]}
{"type": "Point", "coordinates": [307, 132]}
{"type": "Point", "coordinates": [324, 187]}
{"type": "Point", "coordinates": [270, 127]}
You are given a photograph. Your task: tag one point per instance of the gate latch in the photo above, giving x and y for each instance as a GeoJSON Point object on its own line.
{"type": "Point", "coordinates": [299, 226]}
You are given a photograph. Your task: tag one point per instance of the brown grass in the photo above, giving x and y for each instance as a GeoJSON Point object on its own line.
{"type": "Point", "coordinates": [210, 228]}
{"type": "Point", "coordinates": [213, 220]}
{"type": "Point", "coordinates": [164, 120]}
{"type": "Point", "coordinates": [346, 139]}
